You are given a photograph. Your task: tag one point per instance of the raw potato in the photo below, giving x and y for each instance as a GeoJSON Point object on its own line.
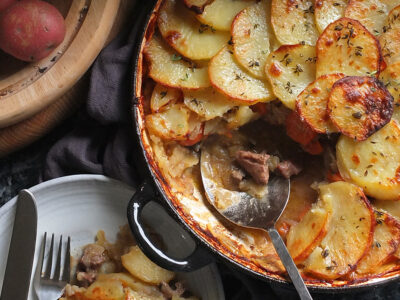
{"type": "Point", "coordinates": [349, 234]}
{"type": "Point", "coordinates": [312, 103]}
{"type": "Point", "coordinates": [170, 69]}
{"type": "Point", "coordinates": [328, 11]}
{"type": "Point", "coordinates": [391, 79]}
{"type": "Point", "coordinates": [359, 106]}
{"type": "Point", "coordinates": [293, 21]}
{"type": "Point", "coordinates": [306, 235]}
{"type": "Point", "coordinates": [290, 69]}
{"type": "Point", "coordinates": [187, 35]}
{"type": "Point", "coordinates": [371, 13]}
{"type": "Point", "coordinates": [373, 164]}
{"type": "Point", "coordinates": [385, 243]}
{"type": "Point", "coordinates": [251, 31]}
{"type": "Point", "coordinates": [220, 14]}
{"type": "Point", "coordinates": [197, 5]}
{"type": "Point", "coordinates": [207, 103]}
{"type": "Point", "coordinates": [162, 96]}
{"type": "Point", "coordinates": [390, 38]}
{"type": "Point", "coordinates": [347, 47]}
{"type": "Point", "coordinates": [228, 77]}
{"type": "Point", "coordinates": [143, 268]}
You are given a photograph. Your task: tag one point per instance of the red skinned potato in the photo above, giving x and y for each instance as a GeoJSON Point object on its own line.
{"type": "Point", "coordinates": [31, 29]}
{"type": "Point", "coordinates": [5, 4]}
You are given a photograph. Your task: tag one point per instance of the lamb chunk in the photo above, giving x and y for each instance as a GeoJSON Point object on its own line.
{"type": "Point", "coordinates": [255, 164]}
{"type": "Point", "coordinates": [237, 176]}
{"type": "Point", "coordinates": [93, 256]}
{"type": "Point", "coordinates": [287, 169]}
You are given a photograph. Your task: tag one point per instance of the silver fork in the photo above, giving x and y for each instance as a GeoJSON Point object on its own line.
{"type": "Point", "coordinates": [51, 284]}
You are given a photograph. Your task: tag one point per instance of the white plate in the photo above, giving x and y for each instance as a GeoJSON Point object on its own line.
{"type": "Point", "coordinates": [79, 206]}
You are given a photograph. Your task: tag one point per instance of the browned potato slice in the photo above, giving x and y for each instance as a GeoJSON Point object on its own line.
{"type": "Point", "coordinates": [391, 79]}
{"type": "Point", "coordinates": [293, 21]}
{"type": "Point", "coordinates": [371, 13]}
{"type": "Point", "coordinates": [359, 106]}
{"type": "Point", "coordinates": [390, 38]}
{"type": "Point", "coordinates": [349, 234]}
{"type": "Point", "coordinates": [251, 31]}
{"type": "Point", "coordinates": [171, 123]}
{"type": "Point", "coordinates": [197, 5]}
{"type": "Point", "coordinates": [391, 207]}
{"type": "Point", "coordinates": [312, 103]}
{"type": "Point", "coordinates": [347, 47]}
{"type": "Point", "coordinates": [187, 35]}
{"type": "Point", "coordinates": [162, 96]}
{"type": "Point", "coordinates": [220, 14]}
{"type": "Point", "coordinates": [170, 69]}
{"type": "Point", "coordinates": [309, 232]}
{"type": "Point", "coordinates": [290, 69]}
{"type": "Point", "coordinates": [228, 77]}
{"type": "Point", "coordinates": [207, 103]}
{"type": "Point", "coordinates": [386, 241]}
{"type": "Point", "coordinates": [328, 11]}
{"type": "Point", "coordinates": [373, 164]}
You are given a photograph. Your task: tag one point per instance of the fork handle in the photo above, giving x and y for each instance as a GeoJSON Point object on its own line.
{"type": "Point", "coordinates": [289, 264]}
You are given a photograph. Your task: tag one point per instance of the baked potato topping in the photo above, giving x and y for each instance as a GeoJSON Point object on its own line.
{"type": "Point", "coordinates": [301, 89]}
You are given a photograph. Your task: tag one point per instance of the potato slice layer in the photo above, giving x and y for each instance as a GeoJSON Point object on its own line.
{"type": "Point", "coordinates": [220, 13]}
{"type": "Point", "coordinates": [359, 106]}
{"type": "Point", "coordinates": [328, 11]}
{"type": "Point", "coordinates": [251, 32]}
{"type": "Point", "coordinates": [347, 47]}
{"type": "Point", "coordinates": [170, 69]}
{"type": "Point", "coordinates": [293, 21]}
{"type": "Point", "coordinates": [207, 103]}
{"type": "Point", "coordinates": [391, 207]}
{"type": "Point", "coordinates": [228, 77]}
{"type": "Point", "coordinates": [390, 38]}
{"type": "Point", "coordinates": [187, 35]}
{"type": "Point", "coordinates": [290, 69]}
{"type": "Point", "coordinates": [373, 164]}
{"type": "Point", "coordinates": [312, 103]}
{"type": "Point", "coordinates": [391, 79]}
{"type": "Point", "coordinates": [308, 233]}
{"type": "Point", "coordinates": [349, 234]}
{"type": "Point", "coordinates": [162, 96]}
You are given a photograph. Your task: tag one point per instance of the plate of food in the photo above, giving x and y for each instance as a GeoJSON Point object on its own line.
{"type": "Point", "coordinates": [307, 90]}
{"type": "Point", "coordinates": [91, 209]}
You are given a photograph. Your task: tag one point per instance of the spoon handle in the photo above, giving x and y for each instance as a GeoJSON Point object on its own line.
{"type": "Point", "coordinates": [289, 264]}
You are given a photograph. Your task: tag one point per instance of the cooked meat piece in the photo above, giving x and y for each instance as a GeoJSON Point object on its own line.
{"type": "Point", "coordinates": [288, 169]}
{"type": "Point", "coordinates": [86, 278]}
{"type": "Point", "coordinates": [237, 176]}
{"type": "Point", "coordinates": [169, 292]}
{"type": "Point", "coordinates": [255, 164]}
{"type": "Point", "coordinates": [93, 256]}
{"type": "Point", "coordinates": [276, 113]}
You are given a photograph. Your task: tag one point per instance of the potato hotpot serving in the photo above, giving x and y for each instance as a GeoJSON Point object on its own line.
{"type": "Point", "coordinates": [307, 90]}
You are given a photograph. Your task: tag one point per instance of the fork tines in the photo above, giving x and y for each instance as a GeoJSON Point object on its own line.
{"type": "Point", "coordinates": [61, 268]}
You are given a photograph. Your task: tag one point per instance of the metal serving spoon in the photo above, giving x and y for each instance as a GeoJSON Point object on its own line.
{"type": "Point", "coordinates": [248, 211]}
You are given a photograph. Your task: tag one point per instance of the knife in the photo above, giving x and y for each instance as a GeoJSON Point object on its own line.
{"type": "Point", "coordinates": [17, 277]}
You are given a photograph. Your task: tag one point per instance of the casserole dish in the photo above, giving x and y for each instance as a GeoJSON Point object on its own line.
{"type": "Point", "coordinates": [247, 250]}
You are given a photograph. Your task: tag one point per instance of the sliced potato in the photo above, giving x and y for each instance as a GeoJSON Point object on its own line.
{"type": "Point", "coordinates": [371, 13]}
{"type": "Point", "coordinates": [171, 123]}
{"type": "Point", "coordinates": [228, 77]}
{"type": "Point", "coordinates": [220, 14]}
{"type": "Point", "coordinates": [391, 79]}
{"type": "Point", "coordinates": [312, 103]}
{"type": "Point", "coordinates": [143, 268]}
{"type": "Point", "coordinates": [293, 21]}
{"type": "Point", "coordinates": [390, 38]}
{"type": "Point", "coordinates": [162, 96]}
{"type": "Point", "coordinates": [306, 235]}
{"type": "Point", "coordinates": [170, 69]}
{"type": "Point", "coordinates": [349, 235]}
{"type": "Point", "coordinates": [187, 35]}
{"type": "Point", "coordinates": [328, 11]}
{"type": "Point", "coordinates": [196, 5]}
{"type": "Point", "coordinates": [207, 103]}
{"type": "Point", "coordinates": [347, 47]}
{"type": "Point", "coordinates": [240, 116]}
{"type": "Point", "coordinates": [251, 31]}
{"type": "Point", "coordinates": [373, 164]}
{"type": "Point", "coordinates": [111, 290]}
{"type": "Point", "coordinates": [391, 207]}
{"type": "Point", "coordinates": [196, 131]}
{"type": "Point", "coordinates": [359, 106]}
{"type": "Point", "coordinates": [290, 69]}
{"type": "Point", "coordinates": [386, 241]}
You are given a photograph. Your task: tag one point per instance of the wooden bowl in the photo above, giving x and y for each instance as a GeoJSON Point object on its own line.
{"type": "Point", "coordinates": [27, 88]}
